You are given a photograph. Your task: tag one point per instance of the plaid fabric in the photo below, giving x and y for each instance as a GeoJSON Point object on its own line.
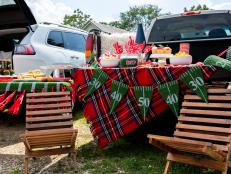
{"type": "Point", "coordinates": [127, 116]}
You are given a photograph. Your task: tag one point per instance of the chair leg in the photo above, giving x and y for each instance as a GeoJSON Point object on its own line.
{"type": "Point", "coordinates": [74, 161]}
{"type": "Point", "coordinates": [167, 167]}
{"type": "Point", "coordinates": [26, 165]}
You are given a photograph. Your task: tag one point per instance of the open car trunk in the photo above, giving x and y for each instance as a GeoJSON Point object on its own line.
{"type": "Point", "coordinates": [15, 21]}
{"type": "Point", "coordinates": [200, 50]}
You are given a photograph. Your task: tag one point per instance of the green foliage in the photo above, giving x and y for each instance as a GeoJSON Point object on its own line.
{"type": "Point", "coordinates": [77, 19]}
{"type": "Point", "coordinates": [137, 14]}
{"type": "Point", "coordinates": [196, 8]}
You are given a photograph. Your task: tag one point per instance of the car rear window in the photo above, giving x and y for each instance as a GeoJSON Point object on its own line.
{"type": "Point", "coordinates": [7, 2]}
{"type": "Point", "coordinates": [202, 26]}
{"type": "Point", "coordinates": [74, 41]}
{"type": "Point", "coordinates": [55, 38]}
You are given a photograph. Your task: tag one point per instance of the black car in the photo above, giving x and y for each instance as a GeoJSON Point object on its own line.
{"type": "Point", "coordinates": [207, 32]}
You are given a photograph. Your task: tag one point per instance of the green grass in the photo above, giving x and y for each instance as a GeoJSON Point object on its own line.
{"type": "Point", "coordinates": [123, 156]}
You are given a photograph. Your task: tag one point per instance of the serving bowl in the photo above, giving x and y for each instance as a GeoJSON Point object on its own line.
{"type": "Point", "coordinates": [181, 60]}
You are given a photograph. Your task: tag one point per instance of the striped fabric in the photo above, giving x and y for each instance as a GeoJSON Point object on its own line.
{"type": "Point", "coordinates": [127, 117]}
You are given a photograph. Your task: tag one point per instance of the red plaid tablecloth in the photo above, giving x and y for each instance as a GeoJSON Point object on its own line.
{"type": "Point", "coordinates": [127, 116]}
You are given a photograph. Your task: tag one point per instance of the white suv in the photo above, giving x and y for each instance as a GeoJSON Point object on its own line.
{"type": "Point", "coordinates": [50, 44]}
{"type": "Point", "coordinates": [34, 45]}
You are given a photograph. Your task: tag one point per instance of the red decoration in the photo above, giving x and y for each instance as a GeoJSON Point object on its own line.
{"type": "Point", "coordinates": [118, 48]}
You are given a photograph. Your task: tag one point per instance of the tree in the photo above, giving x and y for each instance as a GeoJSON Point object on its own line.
{"type": "Point", "coordinates": [77, 19]}
{"type": "Point", "coordinates": [196, 8]}
{"type": "Point", "coordinates": [137, 14]}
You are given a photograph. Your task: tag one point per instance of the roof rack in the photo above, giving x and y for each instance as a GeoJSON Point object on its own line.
{"type": "Point", "coordinates": [64, 26]}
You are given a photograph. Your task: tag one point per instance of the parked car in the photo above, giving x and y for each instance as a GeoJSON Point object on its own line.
{"type": "Point", "coordinates": [34, 45]}
{"type": "Point", "coordinates": [208, 32]}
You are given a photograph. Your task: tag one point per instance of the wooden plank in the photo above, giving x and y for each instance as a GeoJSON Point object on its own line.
{"type": "Point", "coordinates": [49, 125]}
{"type": "Point", "coordinates": [203, 128]}
{"type": "Point", "coordinates": [204, 120]}
{"type": "Point", "coordinates": [205, 112]}
{"type": "Point", "coordinates": [210, 98]}
{"type": "Point", "coordinates": [48, 132]}
{"type": "Point", "coordinates": [206, 105]}
{"type": "Point", "coordinates": [48, 118]}
{"type": "Point", "coordinates": [215, 91]}
{"type": "Point", "coordinates": [202, 136]}
{"type": "Point", "coordinates": [47, 100]}
{"type": "Point", "coordinates": [216, 146]}
{"type": "Point", "coordinates": [46, 145]}
{"type": "Point", "coordinates": [178, 140]}
{"type": "Point", "coordinates": [47, 94]}
{"type": "Point", "coordinates": [48, 106]}
{"type": "Point", "coordinates": [47, 112]}
{"type": "Point", "coordinates": [56, 151]}
{"type": "Point", "coordinates": [217, 165]}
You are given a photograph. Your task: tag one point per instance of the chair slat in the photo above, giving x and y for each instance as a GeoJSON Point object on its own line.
{"type": "Point", "coordinates": [49, 118]}
{"type": "Point", "coordinates": [48, 100]}
{"type": "Point", "coordinates": [205, 112]}
{"type": "Point", "coordinates": [46, 94]}
{"type": "Point", "coordinates": [204, 120]}
{"type": "Point", "coordinates": [49, 125]}
{"type": "Point", "coordinates": [210, 98]}
{"type": "Point", "coordinates": [48, 106]}
{"type": "Point", "coordinates": [202, 136]}
{"type": "Point", "coordinates": [48, 112]}
{"type": "Point", "coordinates": [203, 128]}
{"type": "Point", "coordinates": [206, 105]}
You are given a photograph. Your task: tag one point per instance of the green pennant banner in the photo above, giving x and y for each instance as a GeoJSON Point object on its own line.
{"type": "Point", "coordinates": [118, 90]}
{"type": "Point", "coordinates": [95, 64]}
{"type": "Point", "coordinates": [170, 93]}
{"type": "Point", "coordinates": [228, 55]}
{"type": "Point", "coordinates": [219, 62]}
{"type": "Point", "coordinates": [143, 95]}
{"type": "Point", "coordinates": [98, 79]}
{"type": "Point", "coordinates": [194, 79]}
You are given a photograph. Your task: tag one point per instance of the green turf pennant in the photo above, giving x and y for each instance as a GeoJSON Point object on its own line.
{"type": "Point", "coordinates": [194, 79]}
{"type": "Point", "coordinates": [228, 54]}
{"type": "Point", "coordinates": [143, 95]}
{"type": "Point", "coordinates": [95, 64]}
{"type": "Point", "coordinates": [170, 93]}
{"type": "Point", "coordinates": [98, 79]}
{"type": "Point", "coordinates": [118, 90]}
{"type": "Point", "coordinates": [218, 61]}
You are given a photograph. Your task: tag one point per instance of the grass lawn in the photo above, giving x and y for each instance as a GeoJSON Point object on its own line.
{"type": "Point", "coordinates": [123, 156]}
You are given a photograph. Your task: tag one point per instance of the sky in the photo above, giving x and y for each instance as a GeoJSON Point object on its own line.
{"type": "Point", "coordinates": [109, 10]}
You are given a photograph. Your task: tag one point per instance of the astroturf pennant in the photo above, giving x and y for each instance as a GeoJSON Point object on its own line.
{"type": "Point", "coordinates": [118, 90]}
{"type": "Point", "coordinates": [143, 95]}
{"type": "Point", "coordinates": [170, 93]}
{"type": "Point", "coordinates": [228, 54]}
{"type": "Point", "coordinates": [194, 79]}
{"type": "Point", "coordinates": [219, 62]}
{"type": "Point", "coordinates": [95, 64]}
{"type": "Point", "coordinates": [98, 79]}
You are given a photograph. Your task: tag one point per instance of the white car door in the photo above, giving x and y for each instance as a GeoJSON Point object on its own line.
{"type": "Point", "coordinates": [74, 44]}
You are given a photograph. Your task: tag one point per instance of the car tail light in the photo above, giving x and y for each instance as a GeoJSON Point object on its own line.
{"type": "Point", "coordinates": [89, 45]}
{"type": "Point", "coordinates": [191, 13]}
{"type": "Point", "coordinates": [24, 50]}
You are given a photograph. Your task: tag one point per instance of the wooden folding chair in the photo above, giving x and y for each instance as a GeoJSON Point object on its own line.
{"type": "Point", "coordinates": [49, 126]}
{"type": "Point", "coordinates": [202, 135]}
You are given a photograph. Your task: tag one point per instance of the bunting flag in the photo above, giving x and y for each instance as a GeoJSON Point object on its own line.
{"type": "Point", "coordinates": [194, 79]}
{"type": "Point", "coordinates": [118, 90]}
{"type": "Point", "coordinates": [219, 62]}
{"type": "Point", "coordinates": [95, 64]}
{"type": "Point", "coordinates": [34, 86]}
{"type": "Point", "coordinates": [98, 79]}
{"type": "Point", "coordinates": [228, 55]}
{"type": "Point", "coordinates": [170, 93]}
{"type": "Point", "coordinates": [143, 95]}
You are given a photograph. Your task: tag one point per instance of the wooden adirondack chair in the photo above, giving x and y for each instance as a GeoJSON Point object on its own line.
{"type": "Point", "coordinates": [49, 126]}
{"type": "Point", "coordinates": [203, 130]}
